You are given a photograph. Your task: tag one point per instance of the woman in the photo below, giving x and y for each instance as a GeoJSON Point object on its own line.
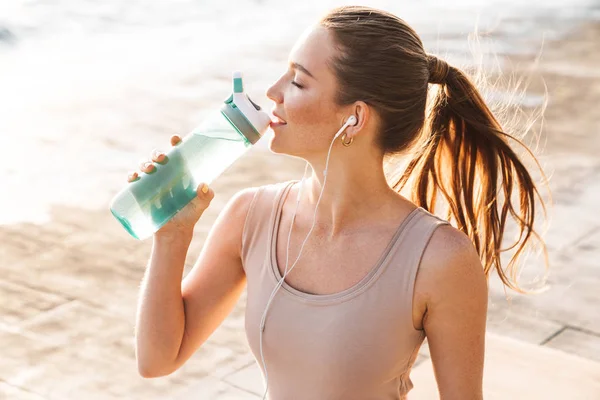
{"type": "Point", "coordinates": [376, 272]}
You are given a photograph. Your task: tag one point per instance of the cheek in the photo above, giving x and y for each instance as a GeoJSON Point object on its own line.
{"type": "Point", "coordinates": [306, 110]}
{"type": "Point", "coordinates": [310, 128]}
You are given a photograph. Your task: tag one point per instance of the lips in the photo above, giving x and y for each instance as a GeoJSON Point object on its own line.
{"type": "Point", "coordinates": [277, 120]}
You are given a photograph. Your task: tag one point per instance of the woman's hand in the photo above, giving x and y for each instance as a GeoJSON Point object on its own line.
{"type": "Point", "coordinates": [184, 221]}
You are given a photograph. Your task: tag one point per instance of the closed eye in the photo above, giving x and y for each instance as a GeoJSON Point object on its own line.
{"type": "Point", "coordinates": [297, 85]}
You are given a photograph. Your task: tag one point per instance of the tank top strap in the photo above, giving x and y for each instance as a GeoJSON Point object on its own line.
{"type": "Point", "coordinates": [260, 219]}
{"type": "Point", "coordinates": [407, 253]}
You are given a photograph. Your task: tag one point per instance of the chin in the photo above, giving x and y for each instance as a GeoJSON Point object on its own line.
{"type": "Point", "coordinates": [273, 145]}
{"type": "Point", "coordinates": [277, 146]}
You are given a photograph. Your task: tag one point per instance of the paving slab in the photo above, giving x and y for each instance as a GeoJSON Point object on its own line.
{"type": "Point", "coordinates": [27, 240]}
{"type": "Point", "coordinates": [519, 370]}
{"type": "Point", "coordinates": [248, 378]}
{"type": "Point", "coordinates": [572, 341]}
{"type": "Point", "coordinates": [213, 388]}
{"type": "Point", "coordinates": [571, 301]}
{"type": "Point", "coordinates": [212, 360]}
{"type": "Point", "coordinates": [14, 393]}
{"type": "Point", "coordinates": [528, 328]}
{"type": "Point", "coordinates": [20, 302]}
{"type": "Point", "coordinates": [75, 322]}
{"type": "Point", "coordinates": [76, 275]}
{"type": "Point", "coordinates": [70, 373]}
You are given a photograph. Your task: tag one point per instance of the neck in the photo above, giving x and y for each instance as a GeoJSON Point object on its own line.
{"type": "Point", "coordinates": [354, 194]}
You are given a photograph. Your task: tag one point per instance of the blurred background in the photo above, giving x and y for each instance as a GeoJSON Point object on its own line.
{"type": "Point", "coordinates": [88, 89]}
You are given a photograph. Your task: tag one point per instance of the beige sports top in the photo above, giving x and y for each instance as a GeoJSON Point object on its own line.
{"type": "Point", "coordinates": [356, 344]}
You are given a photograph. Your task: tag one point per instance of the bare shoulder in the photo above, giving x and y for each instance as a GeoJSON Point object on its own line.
{"type": "Point", "coordinates": [247, 198]}
{"type": "Point", "coordinates": [235, 211]}
{"type": "Point", "coordinates": [450, 270]}
{"type": "Point", "coordinates": [449, 250]}
{"type": "Point", "coordinates": [244, 201]}
{"type": "Point", "coordinates": [231, 221]}
{"type": "Point", "coordinates": [241, 202]}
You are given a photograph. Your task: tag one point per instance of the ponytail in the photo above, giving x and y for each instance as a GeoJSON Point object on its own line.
{"type": "Point", "coordinates": [466, 159]}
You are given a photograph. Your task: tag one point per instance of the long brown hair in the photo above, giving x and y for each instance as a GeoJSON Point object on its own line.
{"type": "Point", "coordinates": [461, 153]}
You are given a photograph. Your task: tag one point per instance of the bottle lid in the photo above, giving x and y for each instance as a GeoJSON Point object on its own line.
{"type": "Point", "coordinates": [244, 114]}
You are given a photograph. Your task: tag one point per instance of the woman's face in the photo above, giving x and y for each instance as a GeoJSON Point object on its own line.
{"type": "Point", "coordinates": [303, 98]}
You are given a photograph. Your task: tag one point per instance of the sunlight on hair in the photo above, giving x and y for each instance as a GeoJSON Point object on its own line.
{"type": "Point", "coordinates": [504, 87]}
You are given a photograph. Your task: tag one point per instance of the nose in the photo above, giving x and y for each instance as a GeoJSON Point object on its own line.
{"type": "Point", "coordinates": [274, 94]}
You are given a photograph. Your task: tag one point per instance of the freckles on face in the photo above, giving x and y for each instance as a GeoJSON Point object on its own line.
{"type": "Point", "coordinates": [307, 110]}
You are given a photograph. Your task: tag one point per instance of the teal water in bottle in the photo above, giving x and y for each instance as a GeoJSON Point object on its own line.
{"type": "Point", "coordinates": [145, 205]}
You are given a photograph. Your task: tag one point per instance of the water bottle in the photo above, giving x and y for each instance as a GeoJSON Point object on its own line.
{"type": "Point", "coordinates": [148, 203]}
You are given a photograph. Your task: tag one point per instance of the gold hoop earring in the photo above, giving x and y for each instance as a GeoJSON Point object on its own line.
{"type": "Point", "coordinates": [344, 137]}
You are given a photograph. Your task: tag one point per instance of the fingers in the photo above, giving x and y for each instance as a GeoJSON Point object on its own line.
{"type": "Point", "coordinates": [175, 139]}
{"type": "Point", "coordinates": [158, 156]}
{"type": "Point", "coordinates": [204, 196]}
{"type": "Point", "coordinates": [132, 177]}
{"type": "Point", "coordinates": [205, 193]}
{"type": "Point", "coordinates": [147, 167]}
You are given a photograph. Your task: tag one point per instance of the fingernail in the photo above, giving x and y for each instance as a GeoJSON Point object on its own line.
{"type": "Point", "coordinates": [204, 188]}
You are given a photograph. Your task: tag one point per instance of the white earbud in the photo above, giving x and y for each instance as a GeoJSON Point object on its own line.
{"type": "Point", "coordinates": [351, 121]}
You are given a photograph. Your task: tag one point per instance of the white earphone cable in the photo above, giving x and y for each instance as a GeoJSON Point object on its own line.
{"type": "Point", "coordinates": [350, 121]}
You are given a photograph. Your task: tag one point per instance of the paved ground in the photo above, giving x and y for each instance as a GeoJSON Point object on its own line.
{"type": "Point", "coordinates": [69, 288]}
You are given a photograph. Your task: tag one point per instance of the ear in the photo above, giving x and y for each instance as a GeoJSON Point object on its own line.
{"type": "Point", "coordinates": [363, 114]}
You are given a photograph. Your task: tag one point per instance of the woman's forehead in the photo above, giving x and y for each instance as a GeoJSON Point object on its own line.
{"type": "Point", "coordinates": [312, 50]}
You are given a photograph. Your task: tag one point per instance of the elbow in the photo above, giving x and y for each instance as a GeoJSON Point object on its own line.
{"type": "Point", "coordinates": [153, 369]}
{"type": "Point", "coordinates": [146, 371]}
{"type": "Point", "coordinates": [151, 364]}
{"type": "Point", "coordinates": [148, 374]}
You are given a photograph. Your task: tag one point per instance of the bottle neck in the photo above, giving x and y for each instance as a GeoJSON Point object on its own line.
{"type": "Point", "coordinates": [237, 119]}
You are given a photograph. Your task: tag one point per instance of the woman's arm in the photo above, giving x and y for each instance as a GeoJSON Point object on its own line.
{"type": "Point", "coordinates": [456, 296]}
{"type": "Point", "coordinates": [174, 317]}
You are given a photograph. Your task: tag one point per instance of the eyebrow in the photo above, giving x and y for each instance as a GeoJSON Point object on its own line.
{"type": "Point", "coordinates": [301, 68]}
